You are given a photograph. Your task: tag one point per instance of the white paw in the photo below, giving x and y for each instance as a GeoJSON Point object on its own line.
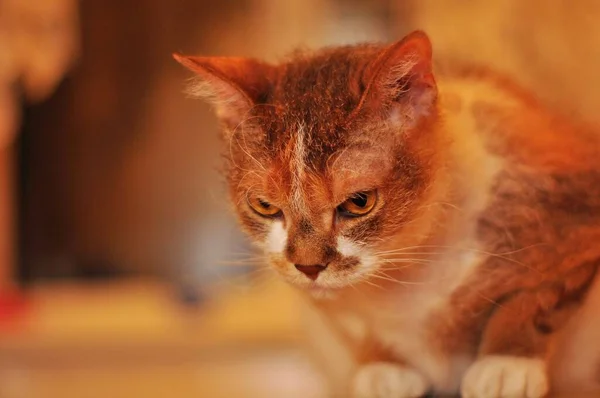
{"type": "Point", "coordinates": [505, 377]}
{"type": "Point", "coordinates": [387, 380]}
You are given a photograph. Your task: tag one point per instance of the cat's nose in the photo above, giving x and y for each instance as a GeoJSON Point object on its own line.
{"type": "Point", "coordinates": [311, 271]}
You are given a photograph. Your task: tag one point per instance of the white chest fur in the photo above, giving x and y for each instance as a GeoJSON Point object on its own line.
{"type": "Point", "coordinates": [400, 319]}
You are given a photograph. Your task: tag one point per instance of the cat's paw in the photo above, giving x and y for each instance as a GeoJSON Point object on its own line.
{"type": "Point", "coordinates": [505, 377]}
{"type": "Point", "coordinates": [388, 380]}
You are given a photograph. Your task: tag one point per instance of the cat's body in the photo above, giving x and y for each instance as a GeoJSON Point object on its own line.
{"type": "Point", "coordinates": [446, 229]}
{"type": "Point", "coordinates": [517, 240]}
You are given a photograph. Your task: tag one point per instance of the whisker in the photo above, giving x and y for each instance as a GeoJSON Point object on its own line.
{"type": "Point", "coordinates": [247, 258]}
{"type": "Point", "coordinates": [384, 277]}
{"type": "Point", "coordinates": [251, 254]}
{"type": "Point", "coordinates": [262, 276]}
{"type": "Point", "coordinates": [254, 260]}
{"type": "Point", "coordinates": [390, 279]}
{"type": "Point", "coordinates": [406, 253]}
{"type": "Point", "coordinates": [241, 263]}
{"type": "Point", "coordinates": [403, 249]}
{"type": "Point", "coordinates": [373, 284]}
{"type": "Point", "coordinates": [407, 260]}
{"type": "Point", "coordinates": [489, 299]}
{"type": "Point", "coordinates": [501, 256]}
{"type": "Point", "coordinates": [395, 268]}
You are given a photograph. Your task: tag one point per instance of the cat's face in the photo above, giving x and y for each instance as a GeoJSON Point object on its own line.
{"type": "Point", "coordinates": [331, 157]}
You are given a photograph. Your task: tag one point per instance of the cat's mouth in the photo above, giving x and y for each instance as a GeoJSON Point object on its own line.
{"type": "Point", "coordinates": [325, 279]}
{"type": "Point", "coordinates": [322, 280]}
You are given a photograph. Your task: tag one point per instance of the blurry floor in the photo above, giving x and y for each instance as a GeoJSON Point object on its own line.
{"type": "Point", "coordinates": [132, 339]}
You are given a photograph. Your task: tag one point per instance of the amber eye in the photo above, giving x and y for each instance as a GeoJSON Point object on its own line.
{"type": "Point", "coordinates": [263, 207]}
{"type": "Point", "coordinates": [358, 204]}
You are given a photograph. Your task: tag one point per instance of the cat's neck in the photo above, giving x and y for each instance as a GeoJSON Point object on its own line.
{"type": "Point", "coordinates": [471, 166]}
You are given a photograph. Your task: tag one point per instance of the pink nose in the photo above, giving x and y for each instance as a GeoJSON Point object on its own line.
{"type": "Point", "coordinates": [311, 271]}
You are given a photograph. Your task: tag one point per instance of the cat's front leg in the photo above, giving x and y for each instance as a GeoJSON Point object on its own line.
{"type": "Point", "coordinates": [356, 364]}
{"type": "Point", "coordinates": [380, 373]}
{"type": "Point", "coordinates": [388, 380]}
{"type": "Point", "coordinates": [512, 362]}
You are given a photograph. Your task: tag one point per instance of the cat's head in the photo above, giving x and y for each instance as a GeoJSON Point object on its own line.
{"type": "Point", "coordinates": [331, 156]}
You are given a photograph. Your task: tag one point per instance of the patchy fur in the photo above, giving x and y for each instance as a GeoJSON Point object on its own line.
{"type": "Point", "coordinates": [481, 245]}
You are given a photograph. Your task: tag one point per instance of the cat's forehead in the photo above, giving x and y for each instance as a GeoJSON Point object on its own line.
{"type": "Point", "coordinates": [312, 98]}
{"type": "Point", "coordinates": [324, 86]}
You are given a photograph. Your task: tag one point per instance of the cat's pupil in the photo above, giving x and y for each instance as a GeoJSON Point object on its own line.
{"type": "Point", "coordinates": [359, 200]}
{"type": "Point", "coordinates": [264, 204]}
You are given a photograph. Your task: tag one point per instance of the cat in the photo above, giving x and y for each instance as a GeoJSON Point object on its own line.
{"type": "Point", "coordinates": [441, 220]}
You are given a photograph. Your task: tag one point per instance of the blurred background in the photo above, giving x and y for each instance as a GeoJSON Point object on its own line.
{"type": "Point", "coordinates": [122, 272]}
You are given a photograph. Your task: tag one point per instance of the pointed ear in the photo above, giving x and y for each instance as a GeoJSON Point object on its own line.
{"type": "Point", "coordinates": [400, 80]}
{"type": "Point", "coordinates": [233, 85]}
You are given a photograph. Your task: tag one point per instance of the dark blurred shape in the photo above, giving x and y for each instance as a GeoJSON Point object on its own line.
{"type": "Point", "coordinates": [86, 209]}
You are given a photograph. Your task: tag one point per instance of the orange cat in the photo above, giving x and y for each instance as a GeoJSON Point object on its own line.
{"type": "Point", "coordinates": [445, 227]}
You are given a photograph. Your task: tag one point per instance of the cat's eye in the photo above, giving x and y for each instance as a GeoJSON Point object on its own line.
{"type": "Point", "coordinates": [264, 208]}
{"type": "Point", "coordinates": [358, 204]}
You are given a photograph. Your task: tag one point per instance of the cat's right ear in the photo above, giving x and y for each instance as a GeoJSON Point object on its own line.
{"type": "Point", "coordinates": [233, 85]}
{"type": "Point", "coordinates": [400, 81]}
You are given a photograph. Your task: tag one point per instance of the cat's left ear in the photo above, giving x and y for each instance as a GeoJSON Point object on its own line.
{"type": "Point", "coordinates": [400, 80]}
{"type": "Point", "coordinates": [233, 85]}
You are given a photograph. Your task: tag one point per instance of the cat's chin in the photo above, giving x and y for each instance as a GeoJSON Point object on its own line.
{"type": "Point", "coordinates": [321, 293]}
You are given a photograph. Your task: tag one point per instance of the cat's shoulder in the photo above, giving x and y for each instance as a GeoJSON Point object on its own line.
{"type": "Point", "coordinates": [480, 81]}
{"type": "Point", "coordinates": [512, 120]}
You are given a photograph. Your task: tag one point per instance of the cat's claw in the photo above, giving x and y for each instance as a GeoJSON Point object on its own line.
{"type": "Point", "coordinates": [388, 380]}
{"type": "Point", "coordinates": [505, 377]}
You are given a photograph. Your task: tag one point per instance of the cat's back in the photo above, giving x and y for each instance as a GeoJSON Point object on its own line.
{"type": "Point", "coordinates": [512, 123]}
